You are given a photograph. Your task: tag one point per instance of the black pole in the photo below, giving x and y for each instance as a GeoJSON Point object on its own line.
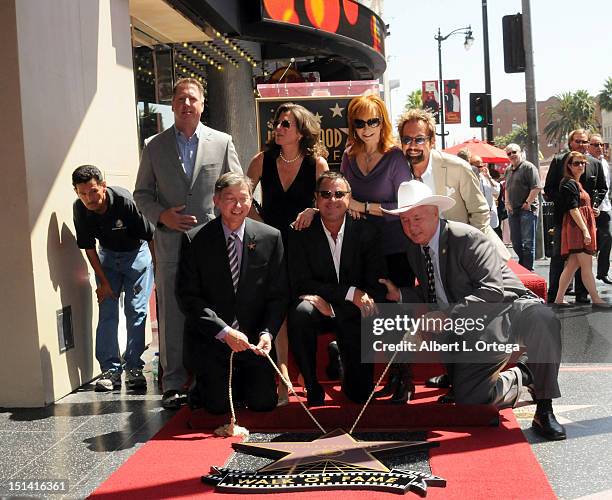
{"type": "Point", "coordinates": [440, 89]}
{"type": "Point", "coordinates": [487, 68]}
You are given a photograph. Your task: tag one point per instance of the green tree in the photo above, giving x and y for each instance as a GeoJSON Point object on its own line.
{"type": "Point", "coordinates": [573, 110]}
{"type": "Point", "coordinates": [414, 100]}
{"type": "Point", "coordinates": [605, 96]}
{"type": "Point", "coordinates": [518, 135]}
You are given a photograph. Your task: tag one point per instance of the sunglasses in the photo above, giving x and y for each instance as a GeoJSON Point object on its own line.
{"type": "Point", "coordinates": [338, 195]}
{"type": "Point", "coordinates": [597, 144]}
{"type": "Point", "coordinates": [283, 123]}
{"type": "Point", "coordinates": [511, 153]}
{"type": "Point", "coordinates": [578, 163]}
{"type": "Point", "coordinates": [419, 139]}
{"type": "Point", "coordinates": [372, 122]}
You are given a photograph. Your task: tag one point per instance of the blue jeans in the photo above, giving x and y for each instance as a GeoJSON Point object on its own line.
{"type": "Point", "coordinates": [522, 233]}
{"type": "Point", "coordinates": [132, 273]}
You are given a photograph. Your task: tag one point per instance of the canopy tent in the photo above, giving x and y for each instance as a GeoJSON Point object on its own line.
{"type": "Point", "coordinates": [488, 153]}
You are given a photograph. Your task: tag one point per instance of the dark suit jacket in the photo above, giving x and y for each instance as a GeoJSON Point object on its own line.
{"type": "Point", "coordinates": [593, 182]}
{"type": "Point", "coordinates": [205, 291]}
{"type": "Point", "coordinates": [311, 266]}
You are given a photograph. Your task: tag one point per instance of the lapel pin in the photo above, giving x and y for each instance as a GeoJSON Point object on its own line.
{"type": "Point", "coordinates": [251, 245]}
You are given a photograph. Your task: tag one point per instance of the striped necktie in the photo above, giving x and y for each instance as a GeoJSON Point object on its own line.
{"type": "Point", "coordinates": [233, 259]}
{"type": "Point", "coordinates": [431, 280]}
{"type": "Point", "coordinates": [234, 268]}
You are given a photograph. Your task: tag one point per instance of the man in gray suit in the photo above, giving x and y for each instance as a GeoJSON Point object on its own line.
{"type": "Point", "coordinates": [458, 269]}
{"type": "Point", "coordinates": [174, 190]}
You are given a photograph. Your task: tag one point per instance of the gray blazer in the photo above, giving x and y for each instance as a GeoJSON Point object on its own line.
{"type": "Point", "coordinates": [472, 273]}
{"type": "Point", "coordinates": [162, 183]}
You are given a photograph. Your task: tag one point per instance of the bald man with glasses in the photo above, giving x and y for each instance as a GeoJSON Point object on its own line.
{"type": "Point", "coordinates": [521, 200]}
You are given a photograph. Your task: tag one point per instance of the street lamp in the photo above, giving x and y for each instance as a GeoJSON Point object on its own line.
{"type": "Point", "coordinates": [467, 44]}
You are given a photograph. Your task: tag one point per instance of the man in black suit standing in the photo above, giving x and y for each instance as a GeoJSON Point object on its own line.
{"type": "Point", "coordinates": [334, 267]}
{"type": "Point", "coordinates": [232, 288]}
{"type": "Point", "coordinates": [594, 182]}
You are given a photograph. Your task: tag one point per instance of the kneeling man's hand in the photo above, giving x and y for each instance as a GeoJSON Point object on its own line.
{"type": "Point", "coordinates": [365, 303]}
{"type": "Point", "coordinates": [320, 304]}
{"type": "Point", "coordinates": [393, 293]}
{"type": "Point", "coordinates": [265, 344]}
{"type": "Point", "coordinates": [237, 341]}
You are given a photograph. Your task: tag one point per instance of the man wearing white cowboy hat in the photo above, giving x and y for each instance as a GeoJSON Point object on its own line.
{"type": "Point", "coordinates": [457, 264]}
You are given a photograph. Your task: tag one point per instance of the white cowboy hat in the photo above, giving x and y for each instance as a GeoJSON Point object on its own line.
{"type": "Point", "coordinates": [414, 193]}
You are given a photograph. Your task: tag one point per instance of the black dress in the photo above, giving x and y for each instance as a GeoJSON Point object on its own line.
{"type": "Point", "coordinates": [280, 208]}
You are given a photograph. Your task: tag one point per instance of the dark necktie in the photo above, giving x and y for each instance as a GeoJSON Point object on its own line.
{"type": "Point", "coordinates": [234, 267]}
{"type": "Point", "coordinates": [431, 280]}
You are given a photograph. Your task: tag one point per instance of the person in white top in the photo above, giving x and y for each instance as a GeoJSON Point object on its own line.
{"type": "Point", "coordinates": [490, 188]}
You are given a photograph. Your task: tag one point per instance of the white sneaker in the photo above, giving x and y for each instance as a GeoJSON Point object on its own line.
{"type": "Point", "coordinates": [109, 380]}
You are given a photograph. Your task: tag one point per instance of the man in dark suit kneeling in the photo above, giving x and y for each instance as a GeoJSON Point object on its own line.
{"type": "Point", "coordinates": [334, 267]}
{"type": "Point", "coordinates": [232, 288]}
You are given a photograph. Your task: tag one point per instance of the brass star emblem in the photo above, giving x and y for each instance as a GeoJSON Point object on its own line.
{"type": "Point", "coordinates": [336, 446]}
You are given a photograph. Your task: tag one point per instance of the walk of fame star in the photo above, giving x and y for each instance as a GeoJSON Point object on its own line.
{"type": "Point", "coordinates": [336, 446]}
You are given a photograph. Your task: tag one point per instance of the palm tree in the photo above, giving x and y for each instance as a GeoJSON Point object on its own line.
{"type": "Point", "coordinates": [605, 96]}
{"type": "Point", "coordinates": [572, 111]}
{"type": "Point", "coordinates": [519, 135]}
{"type": "Point", "coordinates": [414, 100]}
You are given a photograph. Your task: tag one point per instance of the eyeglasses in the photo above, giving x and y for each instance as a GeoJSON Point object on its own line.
{"type": "Point", "coordinates": [511, 153]}
{"type": "Point", "coordinates": [578, 163]}
{"type": "Point", "coordinates": [338, 195]}
{"type": "Point", "coordinates": [419, 139]}
{"type": "Point", "coordinates": [581, 142]}
{"type": "Point", "coordinates": [283, 123]}
{"type": "Point", "coordinates": [597, 144]}
{"type": "Point", "coordinates": [372, 122]}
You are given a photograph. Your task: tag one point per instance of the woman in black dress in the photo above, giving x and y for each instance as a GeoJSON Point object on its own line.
{"type": "Point", "coordinates": [287, 168]}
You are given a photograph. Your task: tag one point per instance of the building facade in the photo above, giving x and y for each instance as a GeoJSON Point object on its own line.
{"type": "Point", "coordinates": [85, 82]}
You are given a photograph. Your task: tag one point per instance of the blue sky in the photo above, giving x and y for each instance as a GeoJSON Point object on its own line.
{"type": "Point", "coordinates": [572, 49]}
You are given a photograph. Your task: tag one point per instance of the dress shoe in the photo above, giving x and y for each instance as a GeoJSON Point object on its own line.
{"type": "Point", "coordinates": [334, 368]}
{"type": "Point", "coordinates": [392, 383]}
{"type": "Point", "coordinates": [447, 398]}
{"type": "Point", "coordinates": [545, 424]}
{"type": "Point", "coordinates": [173, 399]}
{"type": "Point", "coordinates": [404, 392]}
{"type": "Point", "coordinates": [315, 395]}
{"type": "Point", "coordinates": [439, 381]}
{"type": "Point", "coordinates": [194, 400]}
{"type": "Point", "coordinates": [582, 299]}
{"type": "Point", "coordinates": [601, 305]}
{"type": "Point", "coordinates": [605, 279]}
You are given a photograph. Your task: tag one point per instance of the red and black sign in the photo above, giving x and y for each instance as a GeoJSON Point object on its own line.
{"type": "Point", "coordinates": [341, 17]}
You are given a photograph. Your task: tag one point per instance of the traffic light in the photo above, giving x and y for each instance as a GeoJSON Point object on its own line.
{"type": "Point", "coordinates": [514, 51]}
{"type": "Point", "coordinates": [479, 109]}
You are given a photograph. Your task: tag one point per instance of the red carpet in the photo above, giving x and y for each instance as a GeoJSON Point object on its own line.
{"type": "Point", "coordinates": [423, 412]}
{"type": "Point", "coordinates": [481, 462]}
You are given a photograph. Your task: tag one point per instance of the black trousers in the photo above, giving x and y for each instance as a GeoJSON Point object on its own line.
{"type": "Point", "coordinates": [304, 324]}
{"type": "Point", "coordinates": [253, 378]}
{"type": "Point", "coordinates": [604, 243]}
